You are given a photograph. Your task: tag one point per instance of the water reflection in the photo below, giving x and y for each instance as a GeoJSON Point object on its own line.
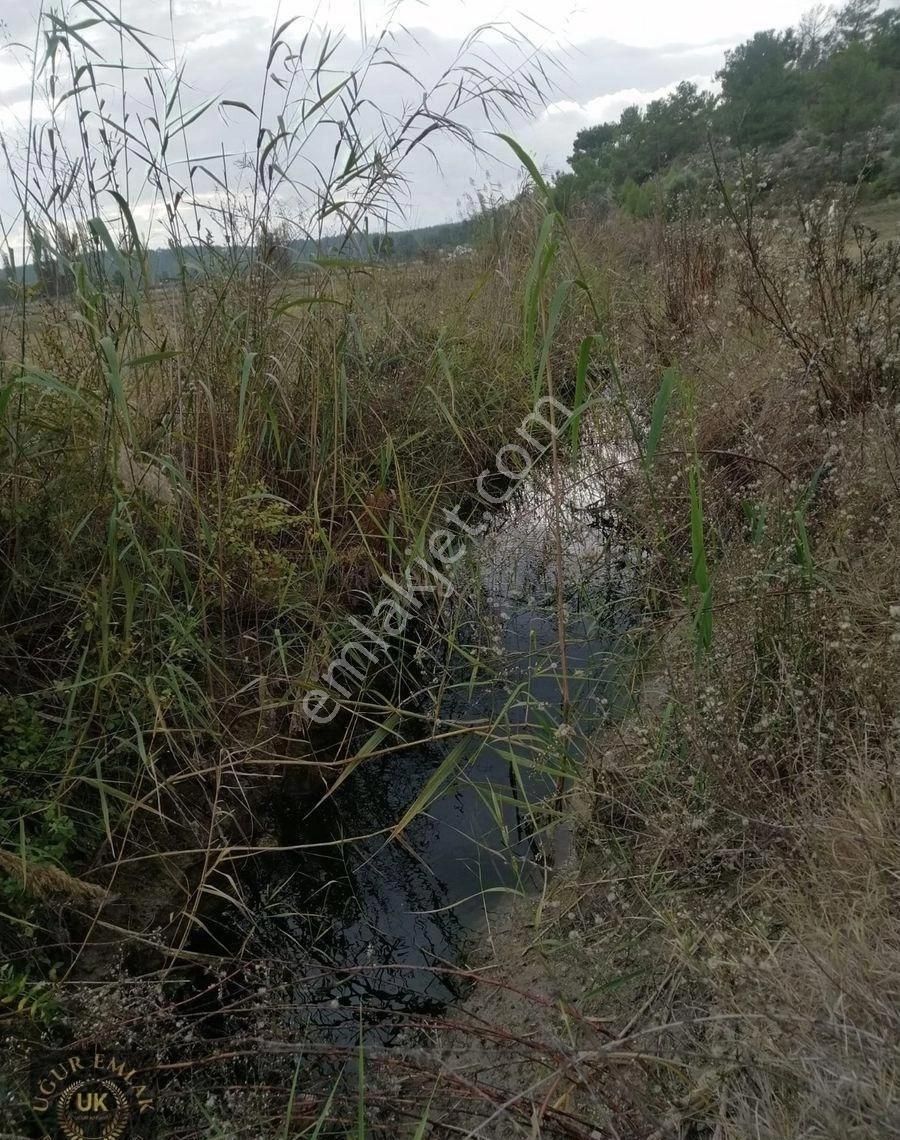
{"type": "Point", "coordinates": [365, 929]}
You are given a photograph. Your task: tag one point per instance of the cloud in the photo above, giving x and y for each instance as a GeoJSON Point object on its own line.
{"type": "Point", "coordinates": [553, 131]}
{"type": "Point", "coordinates": [223, 46]}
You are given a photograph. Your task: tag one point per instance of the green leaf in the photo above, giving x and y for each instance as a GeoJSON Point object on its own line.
{"type": "Point", "coordinates": [584, 359]}
{"type": "Point", "coordinates": [100, 231]}
{"type": "Point", "coordinates": [660, 407]}
{"type": "Point", "coordinates": [434, 785]}
{"type": "Point", "coordinates": [699, 569]}
{"type": "Point", "coordinates": [543, 257]}
{"type": "Point", "coordinates": [39, 380]}
{"type": "Point", "coordinates": [802, 549]}
{"type": "Point", "coordinates": [152, 358]}
{"type": "Point", "coordinates": [237, 103]}
{"type": "Point", "coordinates": [556, 306]}
{"type": "Point", "coordinates": [136, 244]}
{"type": "Point", "coordinates": [528, 162]}
{"type": "Point", "coordinates": [249, 357]}
{"type": "Point", "coordinates": [305, 302]}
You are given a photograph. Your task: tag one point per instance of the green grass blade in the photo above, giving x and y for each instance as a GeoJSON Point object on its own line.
{"type": "Point", "coordinates": [529, 164]}
{"type": "Point", "coordinates": [660, 407]}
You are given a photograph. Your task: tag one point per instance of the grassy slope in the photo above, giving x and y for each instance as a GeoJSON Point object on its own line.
{"type": "Point", "coordinates": [883, 217]}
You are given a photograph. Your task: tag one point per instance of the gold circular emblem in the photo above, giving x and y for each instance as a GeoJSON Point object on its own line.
{"type": "Point", "coordinates": [93, 1109]}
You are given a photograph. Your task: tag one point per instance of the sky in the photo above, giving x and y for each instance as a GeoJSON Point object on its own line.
{"type": "Point", "coordinates": [598, 58]}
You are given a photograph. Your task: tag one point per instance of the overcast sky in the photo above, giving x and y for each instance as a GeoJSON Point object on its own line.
{"type": "Point", "coordinates": [600, 56]}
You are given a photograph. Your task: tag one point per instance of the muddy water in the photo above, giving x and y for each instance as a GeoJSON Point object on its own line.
{"type": "Point", "coordinates": [356, 923]}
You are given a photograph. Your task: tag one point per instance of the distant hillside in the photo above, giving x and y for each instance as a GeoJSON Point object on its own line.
{"type": "Point", "coordinates": [166, 264]}
{"type": "Point", "coordinates": [816, 104]}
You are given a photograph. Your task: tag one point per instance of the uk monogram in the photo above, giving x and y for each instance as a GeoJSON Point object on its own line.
{"type": "Point", "coordinates": [89, 1095]}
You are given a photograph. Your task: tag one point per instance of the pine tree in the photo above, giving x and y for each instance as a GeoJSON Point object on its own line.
{"type": "Point", "coordinates": [852, 96]}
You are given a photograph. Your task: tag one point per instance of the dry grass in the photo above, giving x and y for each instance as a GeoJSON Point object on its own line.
{"type": "Point", "coordinates": [734, 910]}
{"type": "Point", "coordinates": [201, 483]}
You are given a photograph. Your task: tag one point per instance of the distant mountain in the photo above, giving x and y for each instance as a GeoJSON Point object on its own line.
{"type": "Point", "coordinates": [166, 264]}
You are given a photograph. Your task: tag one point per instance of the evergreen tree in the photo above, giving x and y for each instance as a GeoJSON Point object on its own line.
{"type": "Point", "coordinates": [855, 22]}
{"type": "Point", "coordinates": [813, 37]}
{"type": "Point", "coordinates": [852, 96]}
{"type": "Point", "coordinates": [762, 90]}
{"type": "Point", "coordinates": [837, 72]}
{"type": "Point", "coordinates": [885, 45]}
